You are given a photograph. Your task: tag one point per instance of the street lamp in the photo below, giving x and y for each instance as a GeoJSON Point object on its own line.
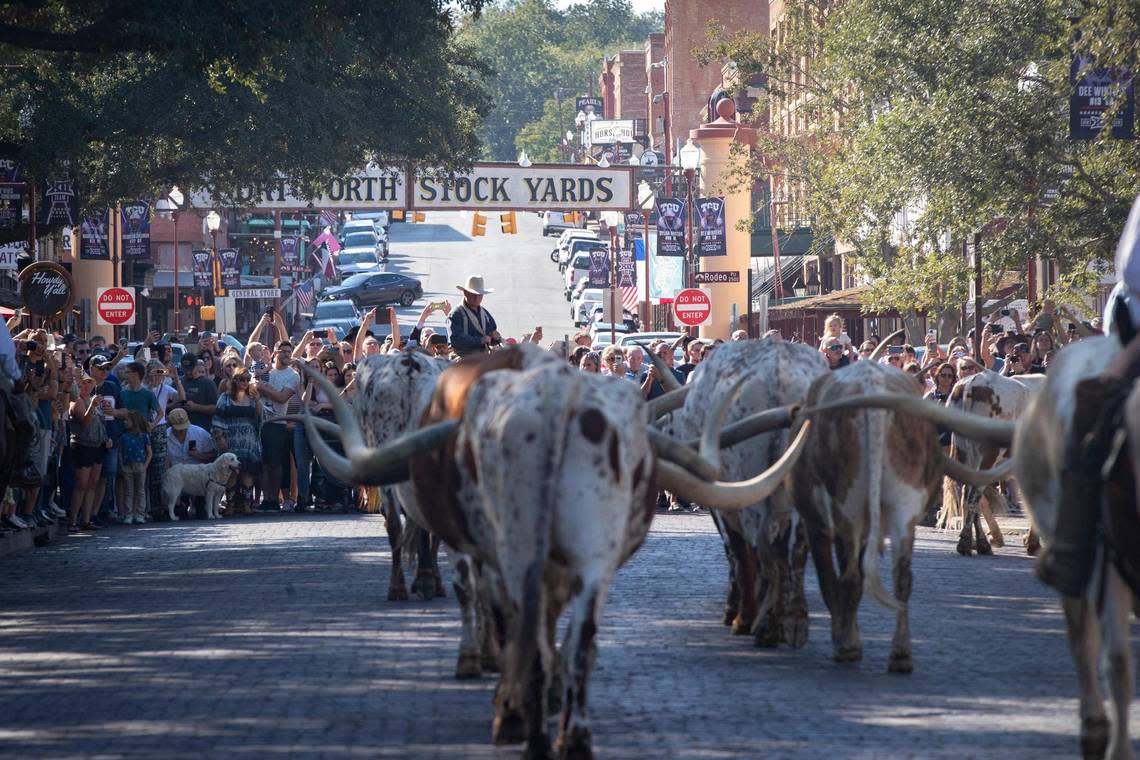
{"type": "Point", "coordinates": [690, 159]}
{"type": "Point", "coordinates": [524, 160]}
{"type": "Point", "coordinates": [798, 288]}
{"type": "Point", "coordinates": [214, 223]}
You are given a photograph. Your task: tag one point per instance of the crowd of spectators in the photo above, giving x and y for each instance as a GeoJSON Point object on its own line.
{"type": "Point", "coordinates": [111, 418]}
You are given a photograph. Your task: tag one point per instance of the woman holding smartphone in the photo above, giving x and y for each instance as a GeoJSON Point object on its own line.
{"type": "Point", "coordinates": [88, 440]}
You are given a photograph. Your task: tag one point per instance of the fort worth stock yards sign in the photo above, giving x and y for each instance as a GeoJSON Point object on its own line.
{"type": "Point", "coordinates": [487, 187]}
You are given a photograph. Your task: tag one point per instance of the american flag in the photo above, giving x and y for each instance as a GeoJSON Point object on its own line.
{"type": "Point", "coordinates": [328, 218]}
{"type": "Point", "coordinates": [304, 293]}
{"type": "Point", "coordinates": [630, 298]}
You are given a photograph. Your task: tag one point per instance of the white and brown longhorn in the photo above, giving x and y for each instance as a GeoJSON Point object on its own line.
{"type": "Point", "coordinates": [546, 478]}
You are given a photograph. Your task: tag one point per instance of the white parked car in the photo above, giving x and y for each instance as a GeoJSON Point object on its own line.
{"type": "Point", "coordinates": [565, 249]}
{"type": "Point", "coordinates": [577, 270]}
{"type": "Point", "coordinates": [582, 296]}
{"type": "Point", "coordinates": [355, 227]}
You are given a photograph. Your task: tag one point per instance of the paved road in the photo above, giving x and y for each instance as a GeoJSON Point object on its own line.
{"type": "Point", "coordinates": [271, 637]}
{"type": "Point", "coordinates": [528, 288]}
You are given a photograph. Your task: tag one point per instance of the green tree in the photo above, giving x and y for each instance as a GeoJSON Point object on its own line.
{"type": "Point", "coordinates": [537, 50]}
{"type": "Point", "coordinates": [133, 97]}
{"type": "Point", "coordinates": [956, 114]}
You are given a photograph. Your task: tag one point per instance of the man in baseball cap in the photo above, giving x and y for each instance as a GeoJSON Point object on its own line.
{"type": "Point", "coordinates": [186, 443]}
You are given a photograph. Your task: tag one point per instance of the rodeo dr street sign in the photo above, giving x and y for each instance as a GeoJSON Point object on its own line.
{"type": "Point", "coordinates": [487, 187]}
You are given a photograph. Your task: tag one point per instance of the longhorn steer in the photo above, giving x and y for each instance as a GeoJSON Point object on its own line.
{"type": "Point", "coordinates": [998, 397]}
{"type": "Point", "coordinates": [864, 475]}
{"type": "Point", "coordinates": [766, 545]}
{"type": "Point", "coordinates": [546, 477]}
{"type": "Point", "coordinates": [1105, 610]}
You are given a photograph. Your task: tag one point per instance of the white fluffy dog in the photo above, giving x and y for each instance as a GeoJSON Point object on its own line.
{"type": "Point", "coordinates": [207, 480]}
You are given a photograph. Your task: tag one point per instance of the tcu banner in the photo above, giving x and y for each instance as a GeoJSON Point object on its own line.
{"type": "Point", "coordinates": [11, 203]}
{"type": "Point", "coordinates": [711, 234]}
{"type": "Point", "coordinates": [59, 204]}
{"type": "Point", "coordinates": [230, 265]}
{"type": "Point", "coordinates": [93, 238]}
{"type": "Point", "coordinates": [626, 269]}
{"type": "Point", "coordinates": [671, 227]}
{"type": "Point", "coordinates": [203, 269]}
{"type": "Point", "coordinates": [136, 230]}
{"type": "Point", "coordinates": [599, 268]}
{"type": "Point", "coordinates": [290, 252]}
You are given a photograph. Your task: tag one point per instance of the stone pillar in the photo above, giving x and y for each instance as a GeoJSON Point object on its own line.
{"type": "Point", "coordinates": [716, 140]}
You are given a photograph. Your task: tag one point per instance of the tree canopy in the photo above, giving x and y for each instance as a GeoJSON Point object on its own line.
{"type": "Point", "coordinates": [536, 51]}
{"type": "Point", "coordinates": [928, 120]}
{"type": "Point", "coordinates": [132, 97]}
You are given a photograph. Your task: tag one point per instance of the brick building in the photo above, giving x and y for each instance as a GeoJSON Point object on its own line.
{"type": "Point", "coordinates": [688, 83]}
{"type": "Point", "coordinates": [629, 85]}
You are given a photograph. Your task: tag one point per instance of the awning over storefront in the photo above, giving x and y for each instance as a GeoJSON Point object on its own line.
{"type": "Point", "coordinates": [164, 278]}
{"type": "Point", "coordinates": [794, 242]}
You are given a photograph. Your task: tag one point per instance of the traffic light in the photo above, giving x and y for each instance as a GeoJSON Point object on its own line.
{"type": "Point", "coordinates": [568, 217]}
{"type": "Point", "coordinates": [398, 215]}
{"type": "Point", "coordinates": [509, 224]}
{"type": "Point", "coordinates": [189, 300]}
{"type": "Point", "coordinates": [478, 225]}
{"type": "Point", "coordinates": [418, 216]}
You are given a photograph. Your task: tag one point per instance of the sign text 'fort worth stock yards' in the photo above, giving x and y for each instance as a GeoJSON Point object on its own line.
{"type": "Point", "coordinates": [487, 187]}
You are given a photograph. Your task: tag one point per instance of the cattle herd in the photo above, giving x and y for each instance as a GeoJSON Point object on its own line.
{"type": "Point", "coordinates": [500, 458]}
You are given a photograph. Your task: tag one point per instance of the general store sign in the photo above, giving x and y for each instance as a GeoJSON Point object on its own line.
{"type": "Point", "coordinates": [609, 131]}
{"type": "Point", "coordinates": [487, 187]}
{"type": "Point", "coordinates": [255, 293]}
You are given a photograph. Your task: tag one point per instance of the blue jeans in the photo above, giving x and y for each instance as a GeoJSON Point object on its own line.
{"type": "Point", "coordinates": [303, 456]}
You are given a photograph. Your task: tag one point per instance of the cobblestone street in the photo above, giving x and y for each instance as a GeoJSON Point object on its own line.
{"type": "Point", "coordinates": [271, 637]}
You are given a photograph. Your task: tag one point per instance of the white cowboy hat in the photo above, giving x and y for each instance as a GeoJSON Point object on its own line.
{"type": "Point", "coordinates": [475, 285]}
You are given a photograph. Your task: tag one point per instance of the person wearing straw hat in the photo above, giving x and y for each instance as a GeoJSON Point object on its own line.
{"type": "Point", "coordinates": [473, 329]}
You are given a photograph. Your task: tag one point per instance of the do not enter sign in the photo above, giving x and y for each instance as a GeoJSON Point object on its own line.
{"type": "Point", "coordinates": [692, 306]}
{"type": "Point", "coordinates": [115, 306]}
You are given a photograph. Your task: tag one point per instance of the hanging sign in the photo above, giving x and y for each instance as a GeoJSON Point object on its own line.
{"type": "Point", "coordinates": [599, 267]}
{"type": "Point", "coordinates": [609, 131]}
{"type": "Point", "coordinates": [1098, 94]}
{"type": "Point", "coordinates": [590, 104]}
{"type": "Point", "coordinates": [9, 253]}
{"type": "Point", "coordinates": [290, 251]}
{"type": "Point", "coordinates": [136, 230]}
{"type": "Point", "coordinates": [46, 289]}
{"type": "Point", "coordinates": [11, 203]}
{"type": "Point", "coordinates": [671, 226]}
{"type": "Point", "coordinates": [203, 269]}
{"type": "Point", "coordinates": [626, 269]}
{"type": "Point", "coordinates": [711, 232]}
{"type": "Point", "coordinates": [59, 203]}
{"type": "Point", "coordinates": [230, 263]}
{"type": "Point", "coordinates": [93, 238]}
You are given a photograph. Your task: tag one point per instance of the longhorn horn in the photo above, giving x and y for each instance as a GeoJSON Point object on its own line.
{"type": "Point", "coordinates": [879, 349]}
{"type": "Point", "coordinates": [974, 426]}
{"type": "Point", "coordinates": [325, 426]}
{"type": "Point", "coordinates": [380, 466]}
{"type": "Point", "coordinates": [755, 424]}
{"type": "Point", "coordinates": [332, 462]}
{"type": "Point", "coordinates": [669, 402]}
{"type": "Point", "coordinates": [732, 496]}
{"type": "Point", "coordinates": [710, 436]}
{"type": "Point", "coordinates": [669, 449]}
{"type": "Point", "coordinates": [668, 379]}
{"type": "Point", "coordinates": [974, 477]}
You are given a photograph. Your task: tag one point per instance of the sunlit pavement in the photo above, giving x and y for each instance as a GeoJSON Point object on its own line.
{"type": "Point", "coordinates": [272, 636]}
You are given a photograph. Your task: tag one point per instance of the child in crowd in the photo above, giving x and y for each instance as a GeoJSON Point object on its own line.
{"type": "Point", "coordinates": [136, 458]}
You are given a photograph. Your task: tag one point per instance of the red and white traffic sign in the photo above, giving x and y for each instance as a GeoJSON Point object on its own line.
{"type": "Point", "coordinates": [693, 306]}
{"type": "Point", "coordinates": [115, 306]}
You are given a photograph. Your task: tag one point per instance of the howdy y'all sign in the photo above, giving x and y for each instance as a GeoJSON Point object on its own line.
{"type": "Point", "coordinates": [46, 289]}
{"type": "Point", "coordinates": [487, 187]}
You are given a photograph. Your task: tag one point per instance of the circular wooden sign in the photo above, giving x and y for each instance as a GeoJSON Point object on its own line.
{"type": "Point", "coordinates": [46, 289]}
